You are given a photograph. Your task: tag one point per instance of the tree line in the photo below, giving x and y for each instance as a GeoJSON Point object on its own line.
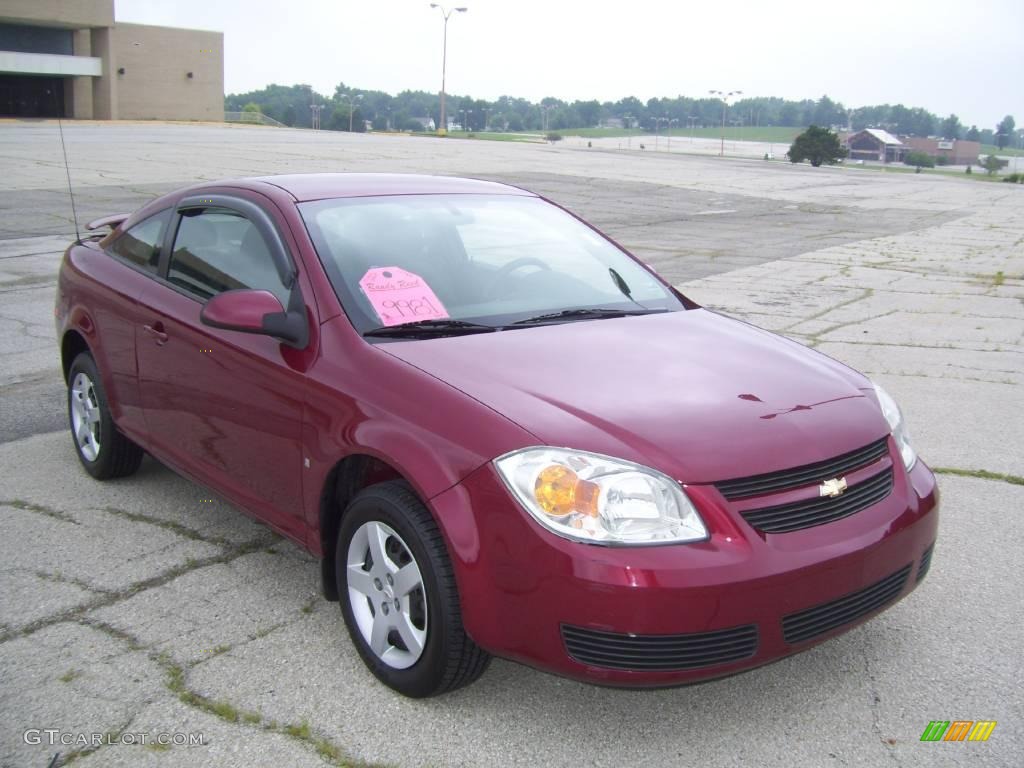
{"type": "Point", "coordinates": [408, 110]}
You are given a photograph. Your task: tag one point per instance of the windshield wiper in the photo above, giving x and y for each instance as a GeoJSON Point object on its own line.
{"type": "Point", "coordinates": [430, 328]}
{"type": "Point", "coordinates": [585, 314]}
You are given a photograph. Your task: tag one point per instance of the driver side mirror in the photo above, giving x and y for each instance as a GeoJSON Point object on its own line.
{"type": "Point", "coordinates": [255, 311]}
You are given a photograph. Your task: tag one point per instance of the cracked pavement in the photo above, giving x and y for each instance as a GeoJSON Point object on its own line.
{"type": "Point", "coordinates": [149, 606]}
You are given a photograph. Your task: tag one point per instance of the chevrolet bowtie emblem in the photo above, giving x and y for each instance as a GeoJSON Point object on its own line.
{"type": "Point", "coordinates": [833, 487]}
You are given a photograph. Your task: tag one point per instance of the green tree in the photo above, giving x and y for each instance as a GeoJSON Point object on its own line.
{"type": "Point", "coordinates": [919, 159]}
{"type": "Point", "coordinates": [252, 106]}
{"type": "Point", "coordinates": [973, 134]}
{"type": "Point", "coordinates": [789, 114]}
{"type": "Point", "coordinates": [817, 145]}
{"type": "Point", "coordinates": [339, 119]}
{"type": "Point", "coordinates": [589, 113]}
{"type": "Point", "coordinates": [1004, 131]}
{"type": "Point", "coordinates": [992, 164]}
{"type": "Point", "coordinates": [951, 128]}
{"type": "Point", "coordinates": [828, 112]}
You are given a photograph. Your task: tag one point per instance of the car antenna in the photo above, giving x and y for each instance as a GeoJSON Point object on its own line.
{"type": "Point", "coordinates": [67, 168]}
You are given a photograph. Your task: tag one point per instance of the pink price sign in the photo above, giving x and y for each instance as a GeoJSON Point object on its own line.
{"type": "Point", "coordinates": [401, 297]}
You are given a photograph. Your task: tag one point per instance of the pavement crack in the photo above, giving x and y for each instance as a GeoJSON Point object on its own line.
{"type": "Point", "coordinates": [982, 474]}
{"type": "Point", "coordinates": [112, 598]}
{"type": "Point", "coordinates": [867, 293]}
{"type": "Point", "coordinates": [111, 737]}
{"type": "Point", "coordinates": [887, 742]}
{"type": "Point", "coordinates": [168, 525]}
{"type": "Point", "coordinates": [327, 750]}
{"type": "Point", "coordinates": [59, 578]}
{"type": "Point", "coordinates": [28, 506]}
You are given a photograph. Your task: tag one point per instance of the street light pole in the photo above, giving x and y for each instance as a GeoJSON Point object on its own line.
{"type": "Point", "coordinates": [444, 59]}
{"type": "Point", "coordinates": [725, 103]}
{"type": "Point", "coordinates": [351, 107]}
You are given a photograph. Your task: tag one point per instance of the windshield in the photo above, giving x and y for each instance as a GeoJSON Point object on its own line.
{"type": "Point", "coordinates": [493, 260]}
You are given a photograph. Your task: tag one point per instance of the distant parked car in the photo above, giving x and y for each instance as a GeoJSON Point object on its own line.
{"type": "Point", "coordinates": [498, 431]}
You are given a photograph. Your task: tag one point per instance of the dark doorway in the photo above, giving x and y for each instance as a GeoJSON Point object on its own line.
{"type": "Point", "coordinates": [28, 96]}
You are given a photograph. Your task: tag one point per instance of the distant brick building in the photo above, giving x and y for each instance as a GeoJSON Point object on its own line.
{"type": "Point", "coordinates": [876, 144]}
{"type": "Point", "coordinates": [956, 152]}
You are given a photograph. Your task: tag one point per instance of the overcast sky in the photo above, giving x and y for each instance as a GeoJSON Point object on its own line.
{"type": "Point", "coordinates": [963, 57]}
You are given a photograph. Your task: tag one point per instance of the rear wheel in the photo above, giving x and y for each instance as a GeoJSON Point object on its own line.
{"type": "Point", "coordinates": [398, 594]}
{"type": "Point", "coordinates": [103, 450]}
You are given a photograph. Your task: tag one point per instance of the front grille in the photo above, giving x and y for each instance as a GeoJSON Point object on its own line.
{"type": "Point", "coordinates": [773, 482]}
{"type": "Point", "coordinates": [807, 513]}
{"type": "Point", "coordinates": [662, 653]}
{"type": "Point", "coordinates": [926, 562]}
{"type": "Point", "coordinates": [808, 624]}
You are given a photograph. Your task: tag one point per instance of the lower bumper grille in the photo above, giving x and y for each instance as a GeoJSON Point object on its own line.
{"type": "Point", "coordinates": [812, 622]}
{"type": "Point", "coordinates": [926, 562]}
{"type": "Point", "coordinates": [662, 653]}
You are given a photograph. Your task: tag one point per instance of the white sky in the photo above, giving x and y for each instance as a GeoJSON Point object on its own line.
{"type": "Point", "coordinates": [965, 57]}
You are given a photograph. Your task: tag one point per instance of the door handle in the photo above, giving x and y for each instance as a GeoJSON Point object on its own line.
{"type": "Point", "coordinates": [157, 332]}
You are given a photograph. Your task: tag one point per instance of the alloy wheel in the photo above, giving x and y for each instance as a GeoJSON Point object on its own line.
{"type": "Point", "coordinates": [85, 416]}
{"type": "Point", "coordinates": [386, 594]}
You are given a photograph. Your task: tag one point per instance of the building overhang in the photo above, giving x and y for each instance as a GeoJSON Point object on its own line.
{"type": "Point", "coordinates": [12, 62]}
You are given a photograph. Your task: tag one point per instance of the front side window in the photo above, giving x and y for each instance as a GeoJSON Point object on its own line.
{"type": "Point", "coordinates": [217, 250]}
{"type": "Point", "coordinates": [490, 259]}
{"type": "Point", "coordinates": [140, 245]}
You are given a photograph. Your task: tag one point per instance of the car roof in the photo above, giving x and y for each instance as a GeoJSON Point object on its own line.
{"type": "Point", "coordinates": [321, 186]}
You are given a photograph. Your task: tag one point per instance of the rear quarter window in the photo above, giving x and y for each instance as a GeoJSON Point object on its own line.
{"type": "Point", "coordinates": [140, 245]}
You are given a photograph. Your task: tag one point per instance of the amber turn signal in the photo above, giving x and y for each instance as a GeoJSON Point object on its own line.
{"type": "Point", "coordinates": [560, 492]}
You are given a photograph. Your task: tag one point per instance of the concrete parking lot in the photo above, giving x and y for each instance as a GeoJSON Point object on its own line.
{"type": "Point", "coordinates": [147, 606]}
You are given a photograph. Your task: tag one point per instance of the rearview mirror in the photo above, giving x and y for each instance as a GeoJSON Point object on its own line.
{"type": "Point", "coordinates": [254, 311]}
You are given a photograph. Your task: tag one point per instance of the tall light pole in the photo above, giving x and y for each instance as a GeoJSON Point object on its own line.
{"type": "Point", "coordinates": [351, 107]}
{"type": "Point", "coordinates": [444, 58]}
{"type": "Point", "coordinates": [657, 121]}
{"type": "Point", "coordinates": [725, 103]}
{"type": "Point", "coordinates": [547, 115]}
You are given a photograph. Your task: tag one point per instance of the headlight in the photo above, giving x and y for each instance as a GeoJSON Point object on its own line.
{"type": "Point", "coordinates": [898, 426]}
{"type": "Point", "coordinates": [598, 499]}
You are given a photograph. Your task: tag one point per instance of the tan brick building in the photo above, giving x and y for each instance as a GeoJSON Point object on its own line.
{"type": "Point", "coordinates": [956, 152]}
{"type": "Point", "coordinates": [71, 58]}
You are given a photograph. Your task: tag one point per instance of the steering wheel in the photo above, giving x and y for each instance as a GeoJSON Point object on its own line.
{"type": "Point", "coordinates": [508, 269]}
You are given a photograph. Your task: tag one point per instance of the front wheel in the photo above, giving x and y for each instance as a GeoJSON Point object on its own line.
{"type": "Point", "coordinates": [398, 595]}
{"type": "Point", "coordinates": [103, 450]}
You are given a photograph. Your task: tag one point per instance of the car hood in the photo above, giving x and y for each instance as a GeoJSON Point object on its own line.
{"type": "Point", "coordinates": [697, 395]}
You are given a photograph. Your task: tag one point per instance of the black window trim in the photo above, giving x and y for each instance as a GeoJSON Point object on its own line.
{"type": "Point", "coordinates": [283, 261]}
{"type": "Point", "coordinates": [295, 310]}
{"type": "Point", "coordinates": [168, 225]}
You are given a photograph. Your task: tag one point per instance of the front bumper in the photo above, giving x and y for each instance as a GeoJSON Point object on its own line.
{"type": "Point", "coordinates": [648, 616]}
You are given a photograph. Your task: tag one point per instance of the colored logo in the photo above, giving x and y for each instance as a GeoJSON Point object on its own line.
{"type": "Point", "coordinates": [958, 730]}
{"type": "Point", "coordinates": [833, 487]}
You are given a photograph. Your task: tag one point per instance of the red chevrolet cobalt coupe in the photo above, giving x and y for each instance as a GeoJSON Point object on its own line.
{"type": "Point", "coordinates": [498, 431]}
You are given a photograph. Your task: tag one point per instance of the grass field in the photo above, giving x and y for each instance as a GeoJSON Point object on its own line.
{"type": "Point", "coordinates": [778, 134]}
{"type": "Point", "coordinates": [992, 149]}
{"type": "Point", "coordinates": [977, 175]}
{"type": "Point", "coordinates": [496, 136]}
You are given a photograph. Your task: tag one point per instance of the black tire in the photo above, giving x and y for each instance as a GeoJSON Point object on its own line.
{"type": "Point", "coordinates": [116, 456]}
{"type": "Point", "coordinates": [449, 659]}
